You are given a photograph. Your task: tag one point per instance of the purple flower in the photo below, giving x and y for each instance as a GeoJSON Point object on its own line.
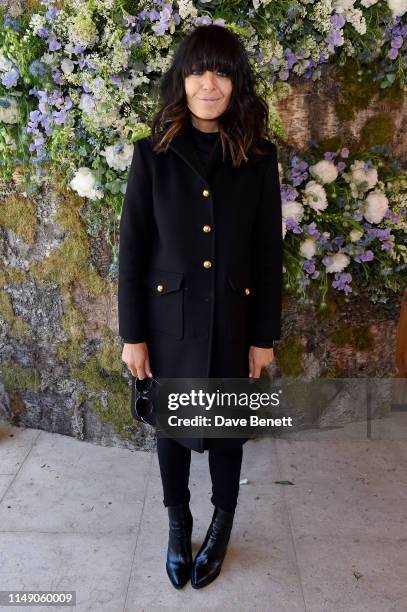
{"type": "Point", "coordinates": [54, 45]}
{"type": "Point", "coordinates": [12, 23]}
{"type": "Point", "coordinates": [397, 42]}
{"type": "Point", "coordinates": [338, 21]}
{"type": "Point", "coordinates": [341, 282]}
{"type": "Point", "coordinates": [51, 13]}
{"type": "Point", "coordinates": [309, 266]}
{"type": "Point", "coordinates": [334, 39]}
{"type": "Point", "coordinates": [37, 68]}
{"type": "Point", "coordinates": [10, 78]}
{"type": "Point", "coordinates": [364, 256]}
{"type": "Point", "coordinates": [344, 152]}
{"type": "Point", "coordinates": [43, 32]}
{"type": "Point", "coordinates": [392, 53]}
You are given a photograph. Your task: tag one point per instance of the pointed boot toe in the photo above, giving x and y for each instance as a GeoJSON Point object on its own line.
{"type": "Point", "coordinates": [208, 561]}
{"type": "Point", "coordinates": [179, 553]}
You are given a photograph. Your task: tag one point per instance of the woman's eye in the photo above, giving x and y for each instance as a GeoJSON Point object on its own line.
{"type": "Point", "coordinates": [222, 74]}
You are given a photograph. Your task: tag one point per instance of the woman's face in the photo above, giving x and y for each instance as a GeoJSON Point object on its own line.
{"type": "Point", "coordinates": [208, 94]}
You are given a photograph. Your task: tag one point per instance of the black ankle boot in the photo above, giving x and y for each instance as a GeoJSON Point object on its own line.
{"type": "Point", "coordinates": [208, 561]}
{"type": "Point", "coordinates": [179, 554]}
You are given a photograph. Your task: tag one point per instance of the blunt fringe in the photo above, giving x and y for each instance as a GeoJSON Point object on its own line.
{"type": "Point", "coordinates": [243, 126]}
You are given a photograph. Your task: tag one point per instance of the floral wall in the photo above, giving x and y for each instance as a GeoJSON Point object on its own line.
{"type": "Point", "coordinates": [78, 86]}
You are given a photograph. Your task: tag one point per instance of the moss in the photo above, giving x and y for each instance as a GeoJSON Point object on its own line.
{"type": "Point", "coordinates": [19, 215]}
{"type": "Point", "coordinates": [330, 143]}
{"type": "Point", "coordinates": [290, 353]}
{"type": "Point", "coordinates": [117, 412]}
{"type": "Point", "coordinates": [18, 378]}
{"type": "Point", "coordinates": [70, 264]}
{"type": "Point", "coordinates": [358, 89]}
{"type": "Point", "coordinates": [117, 392]}
{"type": "Point", "coordinates": [335, 373]}
{"type": "Point", "coordinates": [12, 275]}
{"type": "Point", "coordinates": [101, 373]}
{"type": "Point", "coordinates": [18, 326]}
{"type": "Point", "coordinates": [33, 6]}
{"type": "Point", "coordinates": [6, 307]}
{"type": "Point", "coordinates": [377, 130]}
{"type": "Point", "coordinates": [109, 355]}
{"type": "Point", "coordinates": [359, 337]}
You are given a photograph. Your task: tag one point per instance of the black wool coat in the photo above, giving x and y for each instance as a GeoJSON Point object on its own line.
{"type": "Point", "coordinates": [200, 262]}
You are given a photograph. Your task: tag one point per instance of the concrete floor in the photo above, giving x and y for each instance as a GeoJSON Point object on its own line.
{"type": "Point", "coordinates": [77, 516]}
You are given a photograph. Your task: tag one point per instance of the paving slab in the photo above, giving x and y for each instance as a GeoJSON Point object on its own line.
{"type": "Point", "coordinates": [67, 485]}
{"type": "Point", "coordinates": [15, 444]}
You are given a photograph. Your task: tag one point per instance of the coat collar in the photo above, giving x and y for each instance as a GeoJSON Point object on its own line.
{"type": "Point", "coordinates": [184, 146]}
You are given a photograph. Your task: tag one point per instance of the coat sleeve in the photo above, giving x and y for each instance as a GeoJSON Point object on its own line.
{"type": "Point", "coordinates": [135, 238]}
{"type": "Point", "coordinates": [267, 261]}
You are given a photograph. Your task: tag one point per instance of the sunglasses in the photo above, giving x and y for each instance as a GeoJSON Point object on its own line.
{"type": "Point", "coordinates": [142, 407]}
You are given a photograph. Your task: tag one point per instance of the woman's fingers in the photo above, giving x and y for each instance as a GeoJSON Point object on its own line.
{"type": "Point", "coordinates": [136, 357]}
{"type": "Point", "coordinates": [148, 368]}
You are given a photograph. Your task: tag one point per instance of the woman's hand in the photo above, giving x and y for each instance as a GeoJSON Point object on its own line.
{"type": "Point", "coordinates": [258, 359]}
{"type": "Point", "coordinates": [136, 357]}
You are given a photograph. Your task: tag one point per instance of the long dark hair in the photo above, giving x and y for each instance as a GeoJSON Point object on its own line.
{"type": "Point", "coordinates": [243, 126]}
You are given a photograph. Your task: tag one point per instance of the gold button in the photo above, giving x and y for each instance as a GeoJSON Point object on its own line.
{"type": "Point", "coordinates": [206, 228]}
{"type": "Point", "coordinates": [207, 263]}
{"type": "Point", "coordinates": [160, 287]}
{"type": "Point", "coordinates": [205, 193]}
{"type": "Point", "coordinates": [247, 291]}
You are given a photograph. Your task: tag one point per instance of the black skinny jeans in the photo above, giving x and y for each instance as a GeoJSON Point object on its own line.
{"type": "Point", "coordinates": [224, 466]}
{"type": "Point", "coordinates": [224, 463]}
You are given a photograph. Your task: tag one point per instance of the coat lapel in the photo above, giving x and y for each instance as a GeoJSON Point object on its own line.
{"type": "Point", "coordinates": [183, 145]}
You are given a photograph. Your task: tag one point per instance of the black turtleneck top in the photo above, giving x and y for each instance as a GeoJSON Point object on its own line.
{"type": "Point", "coordinates": [204, 142]}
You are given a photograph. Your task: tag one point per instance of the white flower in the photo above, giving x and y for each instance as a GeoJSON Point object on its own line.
{"type": "Point", "coordinates": [314, 195]}
{"type": "Point", "coordinates": [364, 180]}
{"type": "Point", "coordinates": [84, 184]}
{"type": "Point", "coordinates": [8, 110]}
{"type": "Point", "coordinates": [118, 157]}
{"type": "Point", "coordinates": [308, 248]}
{"type": "Point", "coordinates": [284, 228]}
{"type": "Point", "coordinates": [338, 262]}
{"type": "Point", "coordinates": [186, 9]}
{"type": "Point", "coordinates": [292, 210]}
{"type": "Point", "coordinates": [5, 63]}
{"type": "Point", "coordinates": [341, 6]}
{"type": "Point", "coordinates": [67, 66]}
{"type": "Point", "coordinates": [376, 206]}
{"type": "Point", "coordinates": [368, 3]}
{"type": "Point", "coordinates": [324, 171]}
{"type": "Point", "coordinates": [355, 235]}
{"type": "Point", "coordinates": [398, 7]}
{"type": "Point", "coordinates": [87, 103]}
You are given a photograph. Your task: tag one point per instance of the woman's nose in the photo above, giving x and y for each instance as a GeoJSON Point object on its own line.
{"type": "Point", "coordinates": [208, 79]}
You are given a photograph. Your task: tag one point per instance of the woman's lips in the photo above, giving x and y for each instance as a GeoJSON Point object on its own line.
{"type": "Point", "coordinates": [209, 99]}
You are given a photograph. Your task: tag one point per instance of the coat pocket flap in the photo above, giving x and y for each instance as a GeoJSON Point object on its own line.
{"type": "Point", "coordinates": [163, 281]}
{"type": "Point", "coordinates": [242, 287]}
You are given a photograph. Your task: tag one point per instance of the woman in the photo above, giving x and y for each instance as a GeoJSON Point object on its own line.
{"type": "Point", "coordinates": [200, 272]}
